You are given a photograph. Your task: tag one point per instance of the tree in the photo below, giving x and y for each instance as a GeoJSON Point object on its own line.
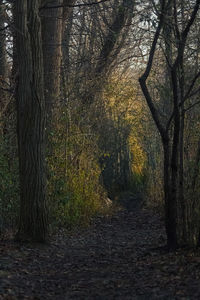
{"type": "Point", "coordinates": [3, 62]}
{"type": "Point", "coordinates": [182, 227]}
{"type": "Point", "coordinates": [52, 40]}
{"type": "Point", "coordinates": [53, 15]}
{"type": "Point", "coordinates": [30, 122]}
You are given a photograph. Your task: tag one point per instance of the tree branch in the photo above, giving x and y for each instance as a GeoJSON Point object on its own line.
{"type": "Point", "coordinates": [191, 21]}
{"type": "Point", "coordinates": [187, 95]}
{"type": "Point", "coordinates": [46, 6]}
{"type": "Point", "coordinates": [143, 78]}
{"type": "Point", "coordinates": [184, 35]}
{"type": "Point", "coordinates": [191, 106]}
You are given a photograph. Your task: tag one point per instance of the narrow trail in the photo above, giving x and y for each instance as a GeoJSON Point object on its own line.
{"type": "Point", "coordinates": [118, 257]}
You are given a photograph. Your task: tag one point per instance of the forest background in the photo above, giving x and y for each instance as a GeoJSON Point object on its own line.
{"type": "Point", "coordinates": [78, 128]}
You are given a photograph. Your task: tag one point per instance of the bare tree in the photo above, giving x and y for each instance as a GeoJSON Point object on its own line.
{"type": "Point", "coordinates": [178, 219]}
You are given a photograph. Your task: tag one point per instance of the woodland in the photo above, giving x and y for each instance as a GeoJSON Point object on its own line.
{"type": "Point", "coordinates": [99, 149]}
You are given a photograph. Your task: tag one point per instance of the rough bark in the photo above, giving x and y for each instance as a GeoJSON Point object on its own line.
{"type": "Point", "coordinates": [3, 63]}
{"type": "Point", "coordinates": [31, 123]}
{"type": "Point", "coordinates": [52, 21]}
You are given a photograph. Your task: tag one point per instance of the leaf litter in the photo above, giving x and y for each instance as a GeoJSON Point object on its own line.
{"type": "Point", "coordinates": [118, 257]}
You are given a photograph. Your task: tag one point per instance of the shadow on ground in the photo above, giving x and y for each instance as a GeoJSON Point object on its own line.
{"type": "Point", "coordinates": [117, 257]}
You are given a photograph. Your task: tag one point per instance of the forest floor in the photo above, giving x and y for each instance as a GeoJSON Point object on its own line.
{"type": "Point", "coordinates": [117, 257]}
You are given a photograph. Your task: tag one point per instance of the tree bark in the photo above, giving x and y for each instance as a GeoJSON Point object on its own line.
{"type": "Point", "coordinates": [31, 123]}
{"type": "Point", "coordinates": [52, 21]}
{"type": "Point", "coordinates": [3, 64]}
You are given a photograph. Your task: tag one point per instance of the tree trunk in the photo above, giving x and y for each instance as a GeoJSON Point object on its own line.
{"type": "Point", "coordinates": [52, 21]}
{"type": "Point", "coordinates": [31, 123]}
{"type": "Point", "coordinates": [177, 211]}
{"type": "Point", "coordinates": [170, 204]}
{"type": "Point", "coordinates": [3, 64]}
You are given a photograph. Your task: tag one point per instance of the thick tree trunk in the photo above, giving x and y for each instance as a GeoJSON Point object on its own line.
{"type": "Point", "coordinates": [52, 21]}
{"type": "Point", "coordinates": [31, 123]}
{"type": "Point", "coordinates": [3, 67]}
{"type": "Point", "coordinates": [3, 64]}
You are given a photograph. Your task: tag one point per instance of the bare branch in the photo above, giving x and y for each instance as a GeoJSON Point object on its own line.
{"type": "Point", "coordinates": [4, 28]}
{"type": "Point", "coordinates": [184, 34]}
{"type": "Point", "coordinates": [191, 106]}
{"type": "Point", "coordinates": [46, 6]}
{"type": "Point", "coordinates": [144, 77]}
{"type": "Point", "coordinates": [188, 94]}
{"type": "Point", "coordinates": [191, 21]}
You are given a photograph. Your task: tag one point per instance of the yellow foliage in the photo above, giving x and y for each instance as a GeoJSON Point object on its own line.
{"type": "Point", "coordinates": [123, 98]}
{"type": "Point", "coordinates": [74, 189]}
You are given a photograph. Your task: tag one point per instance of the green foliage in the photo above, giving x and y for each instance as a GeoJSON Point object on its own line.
{"type": "Point", "coordinates": [9, 189]}
{"type": "Point", "coordinates": [97, 149]}
{"type": "Point", "coordinates": [126, 162]}
{"type": "Point", "coordinates": [81, 200]}
{"type": "Point", "coordinates": [75, 192]}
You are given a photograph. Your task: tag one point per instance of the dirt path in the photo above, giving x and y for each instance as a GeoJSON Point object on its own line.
{"type": "Point", "coordinates": [116, 258]}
